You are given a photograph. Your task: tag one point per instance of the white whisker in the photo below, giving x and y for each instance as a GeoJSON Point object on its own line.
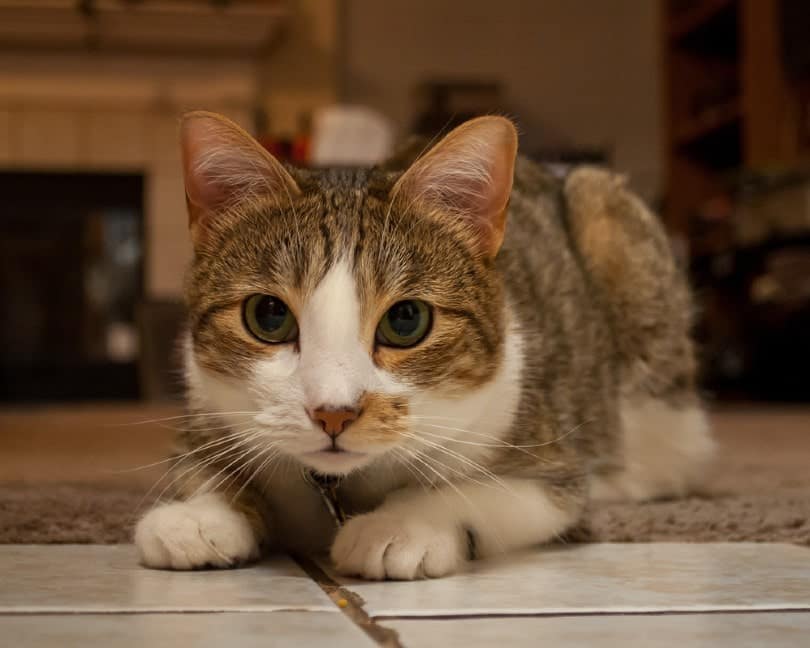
{"type": "Point", "coordinates": [180, 457]}
{"type": "Point", "coordinates": [184, 416]}
{"type": "Point", "coordinates": [197, 468]}
{"type": "Point", "coordinates": [464, 460]}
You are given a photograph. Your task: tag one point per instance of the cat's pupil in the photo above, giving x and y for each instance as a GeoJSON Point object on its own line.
{"type": "Point", "coordinates": [271, 313]}
{"type": "Point", "coordinates": [404, 318]}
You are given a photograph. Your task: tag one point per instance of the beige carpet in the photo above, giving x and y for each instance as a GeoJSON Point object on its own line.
{"type": "Point", "coordinates": [758, 490]}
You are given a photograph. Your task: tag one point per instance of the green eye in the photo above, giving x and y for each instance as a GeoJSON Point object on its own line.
{"type": "Point", "coordinates": [269, 319]}
{"type": "Point", "coordinates": [405, 324]}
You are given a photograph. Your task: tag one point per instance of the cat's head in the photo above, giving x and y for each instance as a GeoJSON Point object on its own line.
{"type": "Point", "coordinates": [340, 315]}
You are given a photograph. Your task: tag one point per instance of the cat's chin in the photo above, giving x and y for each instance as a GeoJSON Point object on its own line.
{"type": "Point", "coordinates": [329, 462]}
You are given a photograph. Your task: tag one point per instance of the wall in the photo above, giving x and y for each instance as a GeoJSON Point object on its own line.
{"type": "Point", "coordinates": [300, 72]}
{"type": "Point", "coordinates": [583, 72]}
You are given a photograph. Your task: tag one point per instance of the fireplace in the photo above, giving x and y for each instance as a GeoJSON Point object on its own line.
{"type": "Point", "coordinates": [71, 277]}
{"type": "Point", "coordinates": [93, 229]}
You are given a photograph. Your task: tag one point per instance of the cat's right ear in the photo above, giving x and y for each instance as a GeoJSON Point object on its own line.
{"type": "Point", "coordinates": [224, 166]}
{"type": "Point", "coordinates": [466, 179]}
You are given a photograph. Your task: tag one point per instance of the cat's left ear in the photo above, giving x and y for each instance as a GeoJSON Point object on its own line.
{"type": "Point", "coordinates": [467, 176]}
{"type": "Point", "coordinates": [224, 166]}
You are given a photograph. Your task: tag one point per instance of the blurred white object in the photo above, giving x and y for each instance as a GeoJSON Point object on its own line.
{"type": "Point", "coordinates": [350, 136]}
{"type": "Point", "coordinates": [122, 342]}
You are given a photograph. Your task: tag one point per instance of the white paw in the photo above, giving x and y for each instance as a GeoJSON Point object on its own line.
{"type": "Point", "coordinates": [202, 532]}
{"type": "Point", "coordinates": [383, 545]}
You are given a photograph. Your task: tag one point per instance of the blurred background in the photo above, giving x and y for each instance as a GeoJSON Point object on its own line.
{"type": "Point", "coordinates": [704, 104]}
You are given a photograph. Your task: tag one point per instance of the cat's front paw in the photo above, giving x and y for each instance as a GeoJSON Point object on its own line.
{"type": "Point", "coordinates": [382, 545]}
{"type": "Point", "coordinates": [203, 532]}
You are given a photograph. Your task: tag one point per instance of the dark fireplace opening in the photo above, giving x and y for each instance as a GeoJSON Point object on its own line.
{"type": "Point", "coordinates": [71, 275]}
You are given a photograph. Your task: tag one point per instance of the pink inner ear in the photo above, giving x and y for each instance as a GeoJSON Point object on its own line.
{"type": "Point", "coordinates": [204, 138]}
{"type": "Point", "coordinates": [222, 164]}
{"type": "Point", "coordinates": [502, 173]}
{"type": "Point", "coordinates": [481, 198]}
{"type": "Point", "coordinates": [203, 192]}
{"type": "Point", "coordinates": [468, 175]}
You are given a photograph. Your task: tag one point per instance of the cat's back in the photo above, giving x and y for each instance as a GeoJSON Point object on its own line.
{"type": "Point", "coordinates": [543, 275]}
{"type": "Point", "coordinates": [588, 243]}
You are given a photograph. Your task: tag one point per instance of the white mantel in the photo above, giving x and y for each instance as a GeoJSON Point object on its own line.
{"type": "Point", "coordinates": [189, 27]}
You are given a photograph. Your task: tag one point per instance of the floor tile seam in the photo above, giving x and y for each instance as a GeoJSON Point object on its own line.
{"type": "Point", "coordinates": [50, 611]}
{"type": "Point", "coordinates": [350, 603]}
{"type": "Point", "coordinates": [602, 613]}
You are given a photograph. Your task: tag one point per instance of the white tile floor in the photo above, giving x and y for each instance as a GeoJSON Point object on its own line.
{"type": "Point", "coordinates": [757, 630]}
{"type": "Point", "coordinates": [613, 578]}
{"type": "Point", "coordinates": [87, 578]}
{"type": "Point", "coordinates": [99, 596]}
{"type": "Point", "coordinates": [226, 630]}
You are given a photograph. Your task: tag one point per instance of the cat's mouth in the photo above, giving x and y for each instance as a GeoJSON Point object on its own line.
{"type": "Point", "coordinates": [334, 459]}
{"type": "Point", "coordinates": [335, 450]}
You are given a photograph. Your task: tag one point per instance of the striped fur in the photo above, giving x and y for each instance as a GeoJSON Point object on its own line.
{"type": "Point", "coordinates": [557, 340]}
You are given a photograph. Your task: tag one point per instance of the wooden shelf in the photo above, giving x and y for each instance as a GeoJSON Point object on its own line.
{"type": "Point", "coordinates": [726, 55]}
{"type": "Point", "coordinates": [709, 121]}
{"type": "Point", "coordinates": [687, 22]}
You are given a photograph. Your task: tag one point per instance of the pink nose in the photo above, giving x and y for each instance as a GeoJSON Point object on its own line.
{"type": "Point", "coordinates": [334, 421]}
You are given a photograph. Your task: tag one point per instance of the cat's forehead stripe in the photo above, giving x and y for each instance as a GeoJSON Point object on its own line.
{"type": "Point", "coordinates": [333, 312]}
{"type": "Point", "coordinates": [336, 368]}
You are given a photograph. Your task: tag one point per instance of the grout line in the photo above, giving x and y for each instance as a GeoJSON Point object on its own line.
{"type": "Point", "coordinates": [337, 592]}
{"type": "Point", "coordinates": [354, 603]}
{"type": "Point", "coordinates": [351, 604]}
{"type": "Point", "coordinates": [537, 615]}
{"type": "Point", "coordinates": [33, 611]}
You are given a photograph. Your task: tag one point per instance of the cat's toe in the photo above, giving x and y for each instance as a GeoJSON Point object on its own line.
{"type": "Point", "coordinates": [203, 532]}
{"type": "Point", "coordinates": [378, 546]}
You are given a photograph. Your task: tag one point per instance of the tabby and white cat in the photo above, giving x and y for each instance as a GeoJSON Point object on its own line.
{"type": "Point", "coordinates": [469, 348]}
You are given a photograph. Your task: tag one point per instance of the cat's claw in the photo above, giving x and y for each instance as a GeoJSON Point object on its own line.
{"type": "Point", "coordinates": [202, 532]}
{"type": "Point", "coordinates": [381, 545]}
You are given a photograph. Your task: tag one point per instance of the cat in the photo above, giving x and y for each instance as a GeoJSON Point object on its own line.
{"type": "Point", "coordinates": [458, 350]}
